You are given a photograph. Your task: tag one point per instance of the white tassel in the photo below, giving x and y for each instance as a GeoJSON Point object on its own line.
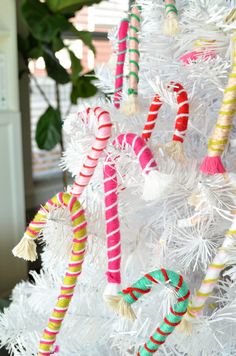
{"type": "Point", "coordinates": [112, 289]}
{"type": "Point", "coordinates": [171, 24]}
{"type": "Point", "coordinates": [26, 249]}
{"type": "Point", "coordinates": [132, 105]}
{"type": "Point", "coordinates": [123, 308]}
{"type": "Point", "coordinates": [157, 184]}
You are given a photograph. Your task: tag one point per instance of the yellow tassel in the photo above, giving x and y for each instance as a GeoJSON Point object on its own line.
{"type": "Point", "coordinates": [171, 25]}
{"type": "Point", "coordinates": [121, 307]}
{"type": "Point", "coordinates": [175, 150]}
{"type": "Point", "coordinates": [131, 106]}
{"type": "Point", "coordinates": [25, 249]}
{"type": "Point", "coordinates": [185, 327]}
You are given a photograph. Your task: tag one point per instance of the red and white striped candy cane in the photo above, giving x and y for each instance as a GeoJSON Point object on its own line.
{"type": "Point", "coordinates": [122, 48]}
{"type": "Point", "coordinates": [182, 117]}
{"type": "Point", "coordinates": [181, 120]}
{"type": "Point", "coordinates": [148, 165]}
{"type": "Point", "coordinates": [102, 135]}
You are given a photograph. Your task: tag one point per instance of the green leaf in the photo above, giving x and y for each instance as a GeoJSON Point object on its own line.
{"type": "Point", "coordinates": [57, 44]}
{"type": "Point", "coordinates": [82, 89]}
{"type": "Point", "coordinates": [41, 22]}
{"type": "Point", "coordinates": [84, 36]}
{"type": "Point", "coordinates": [69, 5]}
{"type": "Point", "coordinates": [76, 67]}
{"type": "Point", "coordinates": [48, 131]}
{"type": "Point", "coordinates": [54, 69]}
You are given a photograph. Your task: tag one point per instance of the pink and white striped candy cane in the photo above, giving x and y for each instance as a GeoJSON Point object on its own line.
{"type": "Point", "coordinates": [182, 117]}
{"type": "Point", "coordinates": [148, 165]}
{"type": "Point", "coordinates": [102, 135]}
{"type": "Point", "coordinates": [122, 48]}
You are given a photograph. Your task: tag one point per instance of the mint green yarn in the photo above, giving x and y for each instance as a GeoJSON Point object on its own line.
{"type": "Point", "coordinates": [145, 284]}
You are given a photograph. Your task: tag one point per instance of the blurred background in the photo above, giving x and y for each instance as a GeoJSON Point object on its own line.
{"type": "Point", "coordinates": [48, 50]}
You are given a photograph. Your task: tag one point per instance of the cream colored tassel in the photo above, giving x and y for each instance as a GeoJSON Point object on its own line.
{"type": "Point", "coordinates": [132, 105]}
{"type": "Point", "coordinates": [171, 25]}
{"type": "Point", "coordinates": [175, 150]}
{"type": "Point", "coordinates": [123, 308]}
{"type": "Point", "coordinates": [185, 327]}
{"type": "Point", "coordinates": [26, 249]}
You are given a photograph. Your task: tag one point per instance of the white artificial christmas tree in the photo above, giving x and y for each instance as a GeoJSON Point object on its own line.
{"type": "Point", "coordinates": [181, 231]}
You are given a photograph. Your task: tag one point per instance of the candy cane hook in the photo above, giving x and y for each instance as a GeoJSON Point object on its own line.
{"type": "Point", "coordinates": [122, 304]}
{"type": "Point", "coordinates": [102, 135]}
{"type": "Point", "coordinates": [74, 267]}
{"type": "Point", "coordinates": [149, 167]}
{"type": "Point", "coordinates": [174, 148]}
{"type": "Point", "coordinates": [122, 48]}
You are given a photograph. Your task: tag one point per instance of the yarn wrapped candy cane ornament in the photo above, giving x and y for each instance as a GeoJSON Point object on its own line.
{"type": "Point", "coordinates": [102, 135]}
{"type": "Point", "coordinates": [174, 148]}
{"type": "Point", "coordinates": [122, 304]}
{"type": "Point", "coordinates": [204, 48]}
{"type": "Point", "coordinates": [132, 105]}
{"type": "Point", "coordinates": [122, 48]}
{"type": "Point", "coordinates": [212, 276]}
{"type": "Point", "coordinates": [156, 184]}
{"type": "Point", "coordinates": [74, 267]}
{"type": "Point", "coordinates": [171, 24]}
{"type": "Point", "coordinates": [212, 163]}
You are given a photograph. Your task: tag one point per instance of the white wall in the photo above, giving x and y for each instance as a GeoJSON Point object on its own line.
{"type": "Point", "coordinates": [12, 209]}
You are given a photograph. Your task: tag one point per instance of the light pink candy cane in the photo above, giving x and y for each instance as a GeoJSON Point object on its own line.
{"type": "Point", "coordinates": [102, 135]}
{"type": "Point", "coordinates": [122, 47]}
{"type": "Point", "coordinates": [148, 164]}
{"type": "Point", "coordinates": [182, 117]}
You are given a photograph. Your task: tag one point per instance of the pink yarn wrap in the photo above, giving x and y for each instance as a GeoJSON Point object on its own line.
{"type": "Point", "coordinates": [122, 47]}
{"type": "Point", "coordinates": [195, 55]}
{"type": "Point", "coordinates": [147, 163]}
{"type": "Point", "coordinates": [102, 135]}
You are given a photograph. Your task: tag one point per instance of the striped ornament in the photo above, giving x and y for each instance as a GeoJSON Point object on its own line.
{"type": "Point", "coordinates": [148, 165]}
{"type": "Point", "coordinates": [182, 117]}
{"type": "Point", "coordinates": [211, 279]}
{"type": "Point", "coordinates": [74, 267]}
{"type": "Point", "coordinates": [143, 286]}
{"type": "Point", "coordinates": [171, 24]}
{"type": "Point", "coordinates": [218, 141]}
{"type": "Point", "coordinates": [102, 135]}
{"type": "Point", "coordinates": [122, 48]}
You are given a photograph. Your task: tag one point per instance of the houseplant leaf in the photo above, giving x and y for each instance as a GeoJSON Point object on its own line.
{"type": "Point", "coordinates": [48, 131]}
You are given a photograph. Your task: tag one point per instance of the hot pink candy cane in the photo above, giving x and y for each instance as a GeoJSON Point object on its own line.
{"type": "Point", "coordinates": [122, 47]}
{"type": "Point", "coordinates": [102, 135]}
{"type": "Point", "coordinates": [181, 120]}
{"type": "Point", "coordinates": [148, 165]}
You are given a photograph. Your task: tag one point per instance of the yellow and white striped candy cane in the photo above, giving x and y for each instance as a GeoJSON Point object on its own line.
{"type": "Point", "coordinates": [208, 284]}
{"type": "Point", "coordinates": [74, 267]}
{"type": "Point", "coordinates": [212, 163]}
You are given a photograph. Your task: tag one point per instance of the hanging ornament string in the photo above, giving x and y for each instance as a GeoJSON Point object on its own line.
{"type": "Point", "coordinates": [171, 24]}
{"type": "Point", "coordinates": [212, 163]}
{"type": "Point", "coordinates": [174, 148]}
{"type": "Point", "coordinates": [122, 48]}
{"type": "Point", "coordinates": [74, 267]}
{"type": "Point", "coordinates": [131, 106]}
{"type": "Point", "coordinates": [198, 302]}
{"type": "Point", "coordinates": [102, 135]}
{"type": "Point", "coordinates": [123, 305]}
